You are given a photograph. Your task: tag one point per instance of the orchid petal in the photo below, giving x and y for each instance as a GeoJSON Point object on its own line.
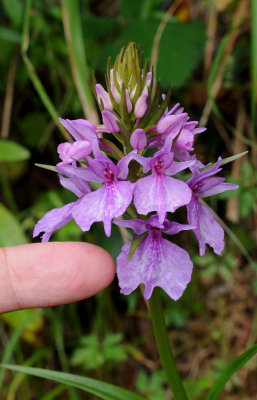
{"type": "Point", "coordinates": [80, 129]}
{"type": "Point", "coordinates": [52, 221]}
{"type": "Point", "coordinates": [219, 188]}
{"type": "Point", "coordinates": [208, 230]}
{"type": "Point", "coordinates": [154, 263]}
{"type": "Point", "coordinates": [160, 193]}
{"type": "Point", "coordinates": [138, 225]}
{"type": "Point", "coordinates": [178, 166]}
{"type": "Point", "coordinates": [104, 204]}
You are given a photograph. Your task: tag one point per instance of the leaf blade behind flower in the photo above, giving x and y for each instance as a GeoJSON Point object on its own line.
{"type": "Point", "coordinates": [103, 390]}
{"type": "Point", "coordinates": [233, 367]}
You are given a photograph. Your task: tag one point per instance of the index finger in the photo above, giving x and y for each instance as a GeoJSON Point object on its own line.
{"type": "Point", "coordinates": [47, 274]}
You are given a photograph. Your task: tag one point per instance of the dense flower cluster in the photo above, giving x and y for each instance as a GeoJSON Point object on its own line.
{"type": "Point", "coordinates": [134, 169]}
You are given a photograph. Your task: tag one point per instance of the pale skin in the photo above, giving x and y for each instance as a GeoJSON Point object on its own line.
{"type": "Point", "coordinates": [48, 274]}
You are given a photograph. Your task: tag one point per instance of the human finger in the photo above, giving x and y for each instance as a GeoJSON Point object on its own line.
{"type": "Point", "coordinates": [47, 274]}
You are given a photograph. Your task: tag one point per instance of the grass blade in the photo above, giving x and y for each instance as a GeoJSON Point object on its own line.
{"type": "Point", "coordinates": [233, 367]}
{"type": "Point", "coordinates": [32, 73]}
{"type": "Point", "coordinates": [253, 14]}
{"type": "Point", "coordinates": [103, 390]}
{"type": "Point", "coordinates": [78, 61]}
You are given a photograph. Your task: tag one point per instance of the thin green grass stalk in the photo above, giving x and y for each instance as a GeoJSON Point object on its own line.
{"type": "Point", "coordinates": [33, 75]}
{"type": "Point", "coordinates": [20, 376]}
{"type": "Point", "coordinates": [253, 14]}
{"type": "Point", "coordinates": [55, 392]}
{"type": "Point", "coordinates": [211, 80]}
{"type": "Point", "coordinates": [9, 349]}
{"type": "Point", "coordinates": [78, 60]}
{"type": "Point", "coordinates": [164, 348]}
{"type": "Point", "coordinates": [58, 334]}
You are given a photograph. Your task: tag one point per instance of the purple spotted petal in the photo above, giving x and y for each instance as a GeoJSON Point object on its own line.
{"type": "Point", "coordinates": [100, 165]}
{"type": "Point", "coordinates": [52, 221]}
{"type": "Point", "coordinates": [108, 202]}
{"type": "Point", "coordinates": [160, 193]}
{"type": "Point", "coordinates": [154, 263]}
{"type": "Point", "coordinates": [208, 230]}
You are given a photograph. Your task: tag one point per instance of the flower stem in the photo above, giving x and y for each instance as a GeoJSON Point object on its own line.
{"type": "Point", "coordinates": [162, 340]}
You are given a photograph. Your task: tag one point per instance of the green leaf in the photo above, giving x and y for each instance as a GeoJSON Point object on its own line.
{"type": "Point", "coordinates": [247, 203]}
{"type": "Point", "coordinates": [9, 35]}
{"type": "Point", "coordinates": [11, 151]}
{"type": "Point", "coordinates": [233, 158]}
{"type": "Point", "coordinates": [11, 232]}
{"type": "Point", "coordinates": [103, 390]}
{"type": "Point", "coordinates": [131, 8]}
{"type": "Point", "coordinates": [137, 239]}
{"type": "Point", "coordinates": [226, 160]}
{"type": "Point", "coordinates": [17, 318]}
{"type": "Point", "coordinates": [233, 367]}
{"type": "Point", "coordinates": [13, 9]}
{"type": "Point", "coordinates": [98, 27]}
{"type": "Point", "coordinates": [46, 166]}
{"type": "Point", "coordinates": [13, 341]}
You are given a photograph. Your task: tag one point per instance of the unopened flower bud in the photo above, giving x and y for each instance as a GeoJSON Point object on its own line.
{"type": "Point", "coordinates": [128, 101]}
{"type": "Point", "coordinates": [115, 93]}
{"type": "Point", "coordinates": [148, 81]}
{"type": "Point", "coordinates": [110, 121]}
{"type": "Point", "coordinates": [138, 139]}
{"type": "Point", "coordinates": [104, 96]}
{"type": "Point", "coordinates": [141, 105]}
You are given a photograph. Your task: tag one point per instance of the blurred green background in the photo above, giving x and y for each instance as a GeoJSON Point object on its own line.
{"type": "Point", "coordinates": [207, 50]}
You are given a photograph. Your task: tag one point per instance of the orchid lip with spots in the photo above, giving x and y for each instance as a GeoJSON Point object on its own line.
{"type": "Point", "coordinates": [140, 169]}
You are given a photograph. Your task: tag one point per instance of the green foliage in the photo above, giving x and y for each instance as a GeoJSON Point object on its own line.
{"type": "Point", "coordinates": [217, 265]}
{"type": "Point", "coordinates": [33, 126]}
{"type": "Point", "coordinates": [14, 10]}
{"type": "Point", "coordinates": [247, 192]}
{"type": "Point", "coordinates": [101, 389]}
{"type": "Point", "coordinates": [152, 387]}
{"type": "Point", "coordinates": [11, 232]}
{"type": "Point", "coordinates": [94, 353]}
{"type": "Point", "coordinates": [181, 47]}
{"type": "Point", "coordinates": [232, 368]}
{"type": "Point", "coordinates": [11, 151]}
{"type": "Point", "coordinates": [196, 388]}
{"type": "Point", "coordinates": [32, 319]}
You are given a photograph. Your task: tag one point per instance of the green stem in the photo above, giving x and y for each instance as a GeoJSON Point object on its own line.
{"type": "Point", "coordinates": [163, 344]}
{"type": "Point", "coordinates": [32, 72]}
{"type": "Point", "coordinates": [72, 23]}
{"type": "Point", "coordinates": [253, 65]}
